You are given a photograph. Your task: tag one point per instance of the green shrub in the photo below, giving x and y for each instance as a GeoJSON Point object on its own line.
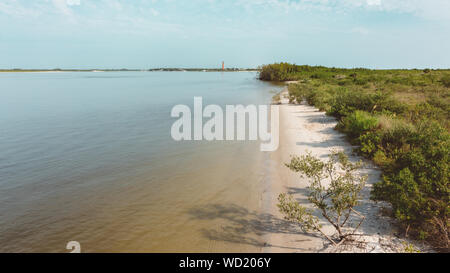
{"type": "Point", "coordinates": [433, 109]}
{"type": "Point", "coordinates": [396, 136]}
{"type": "Point", "coordinates": [344, 82]}
{"type": "Point", "coordinates": [439, 102]}
{"type": "Point", "coordinates": [319, 98]}
{"type": "Point", "coordinates": [278, 72]}
{"type": "Point", "coordinates": [403, 80]}
{"type": "Point", "coordinates": [361, 81]}
{"type": "Point", "coordinates": [336, 201]}
{"type": "Point", "coordinates": [388, 141]}
{"type": "Point", "coordinates": [382, 160]}
{"type": "Point", "coordinates": [402, 188]}
{"type": "Point", "coordinates": [347, 101]}
{"type": "Point", "coordinates": [357, 123]}
{"type": "Point", "coordinates": [391, 105]}
{"type": "Point", "coordinates": [446, 81]}
{"type": "Point", "coordinates": [370, 143]}
{"type": "Point", "coordinates": [297, 92]}
{"type": "Point", "coordinates": [319, 75]}
{"type": "Point", "coordinates": [418, 185]}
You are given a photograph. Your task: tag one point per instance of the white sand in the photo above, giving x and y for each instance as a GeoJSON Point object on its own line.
{"type": "Point", "coordinates": [304, 128]}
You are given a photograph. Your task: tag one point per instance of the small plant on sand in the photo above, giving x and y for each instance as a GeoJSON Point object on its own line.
{"type": "Point", "coordinates": [335, 201]}
{"type": "Point", "coordinates": [276, 99]}
{"type": "Point", "coordinates": [409, 248]}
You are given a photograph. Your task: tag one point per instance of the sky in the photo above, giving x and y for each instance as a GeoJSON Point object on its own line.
{"type": "Point", "coordinates": [243, 33]}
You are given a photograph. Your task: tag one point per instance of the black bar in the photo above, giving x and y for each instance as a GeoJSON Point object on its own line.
{"type": "Point", "coordinates": [307, 263]}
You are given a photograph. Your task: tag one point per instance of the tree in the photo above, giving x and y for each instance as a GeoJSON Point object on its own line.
{"type": "Point", "coordinates": [335, 201]}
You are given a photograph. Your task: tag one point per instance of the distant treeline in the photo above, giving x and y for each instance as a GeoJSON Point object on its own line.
{"type": "Point", "coordinates": [398, 118]}
{"type": "Point", "coordinates": [204, 69]}
{"type": "Point", "coordinates": [292, 72]}
{"type": "Point", "coordinates": [131, 70]}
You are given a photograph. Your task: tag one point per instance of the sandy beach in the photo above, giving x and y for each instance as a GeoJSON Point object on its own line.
{"type": "Point", "coordinates": [304, 128]}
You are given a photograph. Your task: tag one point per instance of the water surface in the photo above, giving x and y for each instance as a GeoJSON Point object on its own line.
{"type": "Point", "coordinates": [89, 157]}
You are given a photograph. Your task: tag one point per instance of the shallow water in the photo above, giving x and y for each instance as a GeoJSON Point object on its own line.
{"type": "Point", "coordinates": [88, 157]}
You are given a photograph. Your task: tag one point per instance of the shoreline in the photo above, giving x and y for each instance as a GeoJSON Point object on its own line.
{"type": "Point", "coordinates": [129, 70]}
{"type": "Point", "coordinates": [304, 128]}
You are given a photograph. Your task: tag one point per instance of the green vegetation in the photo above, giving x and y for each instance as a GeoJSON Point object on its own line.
{"type": "Point", "coordinates": [336, 201]}
{"type": "Point", "coordinates": [276, 99]}
{"type": "Point", "coordinates": [400, 120]}
{"type": "Point", "coordinates": [358, 123]}
{"type": "Point", "coordinates": [409, 248]}
{"type": "Point", "coordinates": [446, 80]}
{"type": "Point", "coordinates": [279, 72]}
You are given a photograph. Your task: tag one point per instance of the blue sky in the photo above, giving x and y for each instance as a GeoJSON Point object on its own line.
{"type": "Point", "coordinates": [243, 33]}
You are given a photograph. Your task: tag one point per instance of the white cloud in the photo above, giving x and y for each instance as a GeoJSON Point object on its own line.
{"type": "Point", "coordinates": [61, 5]}
{"type": "Point", "coordinates": [373, 2]}
{"type": "Point", "coordinates": [64, 7]}
{"type": "Point", "coordinates": [73, 2]}
{"type": "Point", "coordinates": [143, 11]}
{"type": "Point", "coordinates": [427, 9]}
{"type": "Point", "coordinates": [14, 9]}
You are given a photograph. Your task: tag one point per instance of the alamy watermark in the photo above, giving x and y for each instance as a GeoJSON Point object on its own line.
{"type": "Point", "coordinates": [227, 125]}
{"type": "Point", "coordinates": [74, 246]}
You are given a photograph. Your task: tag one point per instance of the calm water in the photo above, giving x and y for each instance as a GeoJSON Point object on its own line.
{"type": "Point", "coordinates": [89, 157]}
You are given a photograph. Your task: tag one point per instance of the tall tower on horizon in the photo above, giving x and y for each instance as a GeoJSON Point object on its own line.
{"type": "Point", "coordinates": [223, 65]}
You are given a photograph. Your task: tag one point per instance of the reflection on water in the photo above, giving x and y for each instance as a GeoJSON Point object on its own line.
{"type": "Point", "coordinates": [88, 157]}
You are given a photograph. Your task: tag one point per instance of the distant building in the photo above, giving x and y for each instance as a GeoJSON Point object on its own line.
{"type": "Point", "coordinates": [223, 66]}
